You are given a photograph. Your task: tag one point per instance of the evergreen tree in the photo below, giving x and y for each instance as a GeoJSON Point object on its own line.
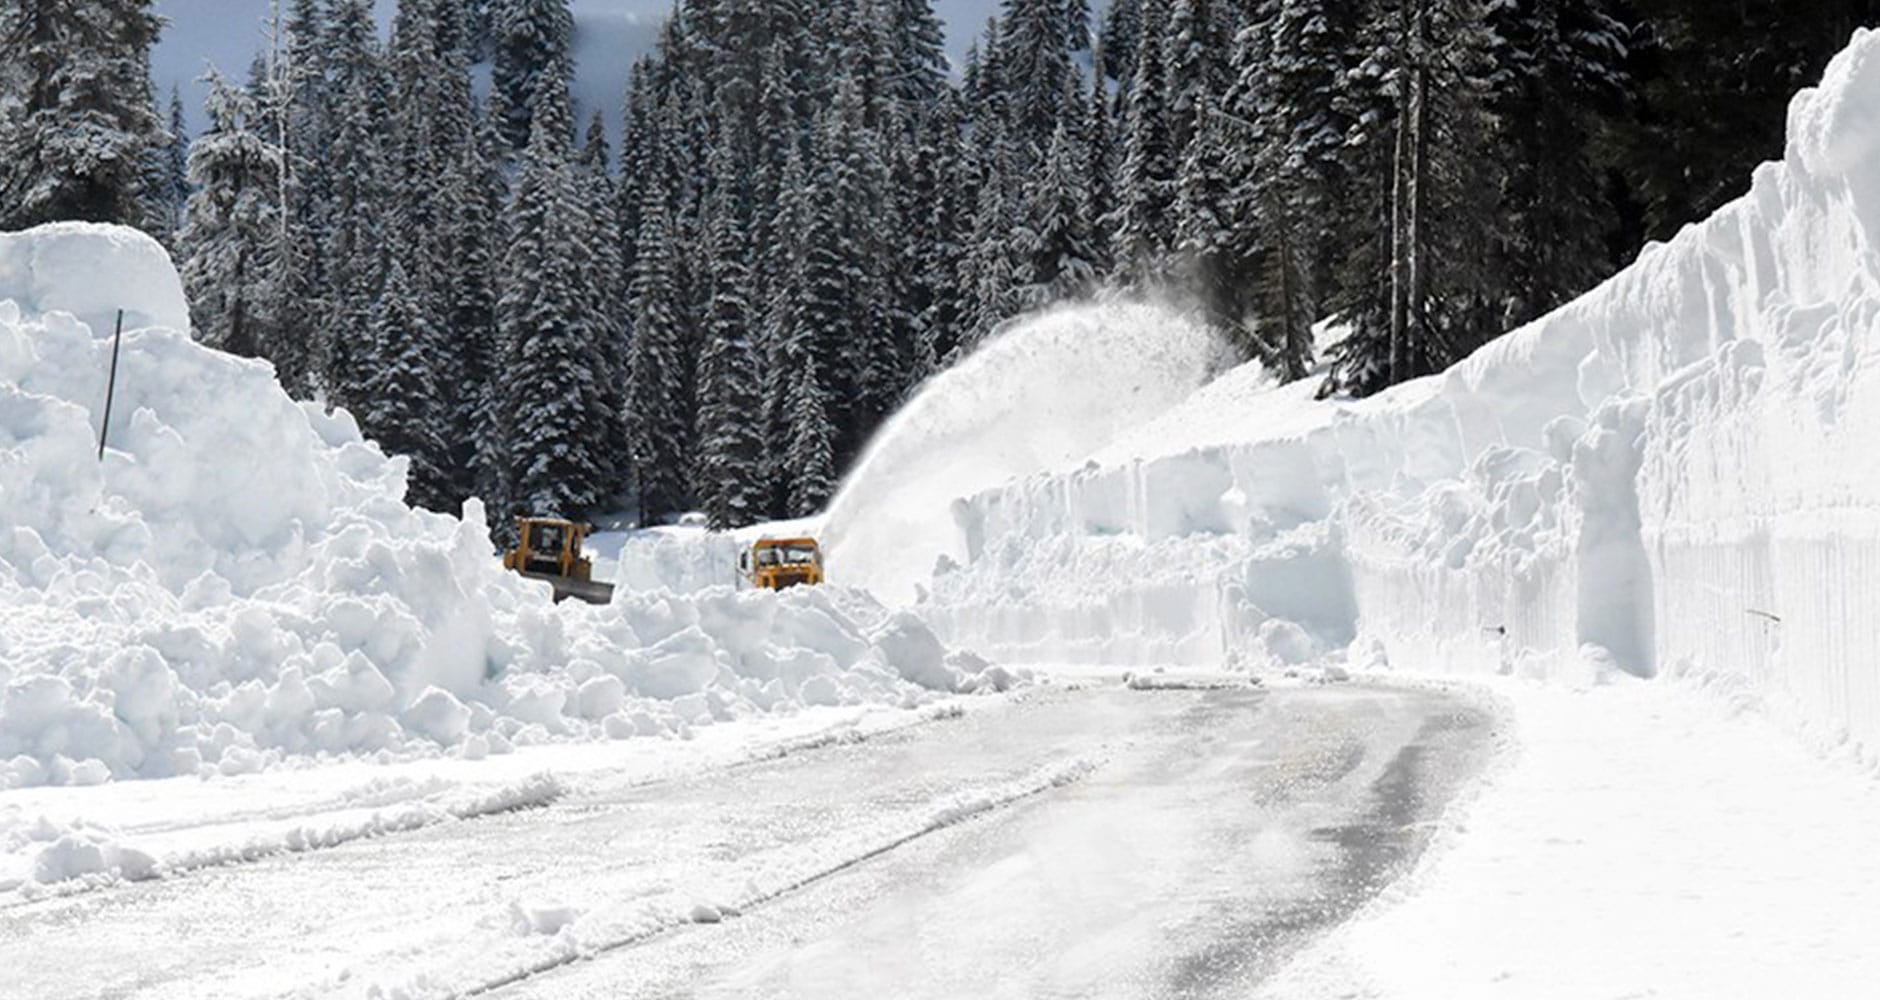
{"type": "Point", "coordinates": [810, 461]}
{"type": "Point", "coordinates": [304, 114]}
{"type": "Point", "coordinates": [552, 403]}
{"type": "Point", "coordinates": [655, 413]}
{"type": "Point", "coordinates": [1560, 76]}
{"type": "Point", "coordinates": [1425, 298]}
{"type": "Point", "coordinates": [730, 472]}
{"type": "Point", "coordinates": [403, 411]}
{"type": "Point", "coordinates": [1119, 40]}
{"type": "Point", "coordinates": [1036, 69]}
{"type": "Point", "coordinates": [1194, 68]}
{"type": "Point", "coordinates": [77, 116]}
{"type": "Point", "coordinates": [919, 79]}
{"type": "Point", "coordinates": [990, 272]}
{"type": "Point", "coordinates": [175, 189]}
{"type": "Point", "coordinates": [942, 252]}
{"type": "Point", "coordinates": [231, 232]}
{"type": "Point", "coordinates": [1291, 103]}
{"type": "Point", "coordinates": [1145, 185]}
{"type": "Point", "coordinates": [1057, 251]}
{"type": "Point", "coordinates": [356, 200]}
{"type": "Point", "coordinates": [472, 193]}
{"type": "Point", "coordinates": [606, 284]}
{"type": "Point", "coordinates": [531, 40]}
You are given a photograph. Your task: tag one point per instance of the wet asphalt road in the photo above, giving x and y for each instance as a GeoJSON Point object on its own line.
{"type": "Point", "coordinates": [1222, 831]}
{"type": "Point", "coordinates": [1087, 842]}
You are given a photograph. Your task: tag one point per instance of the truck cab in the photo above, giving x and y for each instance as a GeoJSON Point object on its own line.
{"type": "Point", "coordinates": [780, 563]}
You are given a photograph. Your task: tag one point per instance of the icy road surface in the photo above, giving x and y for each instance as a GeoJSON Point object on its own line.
{"type": "Point", "coordinates": [1095, 842]}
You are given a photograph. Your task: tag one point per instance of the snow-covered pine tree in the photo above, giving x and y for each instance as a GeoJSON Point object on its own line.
{"type": "Point", "coordinates": [1291, 103]}
{"type": "Point", "coordinates": [484, 399]}
{"type": "Point", "coordinates": [531, 40]}
{"type": "Point", "coordinates": [472, 194]}
{"type": "Point", "coordinates": [1145, 183]}
{"type": "Point", "coordinates": [785, 341]}
{"type": "Point", "coordinates": [403, 409]}
{"type": "Point", "coordinates": [1100, 163]}
{"type": "Point", "coordinates": [1195, 66]}
{"type": "Point", "coordinates": [552, 407]}
{"type": "Point", "coordinates": [730, 473]}
{"type": "Point", "coordinates": [919, 78]}
{"type": "Point", "coordinates": [1035, 62]}
{"type": "Point", "coordinates": [304, 111]}
{"type": "Point", "coordinates": [606, 285]}
{"type": "Point", "coordinates": [175, 190]}
{"type": "Point", "coordinates": [357, 200]}
{"type": "Point", "coordinates": [1560, 70]}
{"type": "Point", "coordinates": [231, 232]}
{"type": "Point", "coordinates": [640, 163]}
{"type": "Point", "coordinates": [942, 251]}
{"type": "Point", "coordinates": [810, 460]}
{"type": "Point", "coordinates": [78, 120]}
{"type": "Point", "coordinates": [1117, 41]}
{"type": "Point", "coordinates": [989, 273]}
{"type": "Point", "coordinates": [1214, 252]}
{"type": "Point", "coordinates": [655, 406]}
{"type": "Point", "coordinates": [1056, 249]}
{"type": "Point", "coordinates": [1426, 297]}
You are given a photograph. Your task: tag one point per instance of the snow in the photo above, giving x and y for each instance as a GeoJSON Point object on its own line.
{"type": "Point", "coordinates": [1669, 475]}
{"type": "Point", "coordinates": [239, 582]}
{"type": "Point", "coordinates": [69, 839]}
{"type": "Point", "coordinates": [1037, 397]}
{"type": "Point", "coordinates": [1639, 840]}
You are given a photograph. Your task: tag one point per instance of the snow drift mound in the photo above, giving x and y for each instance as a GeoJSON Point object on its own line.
{"type": "Point", "coordinates": [1674, 473]}
{"type": "Point", "coordinates": [1037, 397]}
{"type": "Point", "coordinates": [239, 580]}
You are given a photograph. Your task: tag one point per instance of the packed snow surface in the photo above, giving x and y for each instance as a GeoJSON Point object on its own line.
{"type": "Point", "coordinates": [239, 580]}
{"type": "Point", "coordinates": [1038, 397]}
{"type": "Point", "coordinates": [1641, 842]}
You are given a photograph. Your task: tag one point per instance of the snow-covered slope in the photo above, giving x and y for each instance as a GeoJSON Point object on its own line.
{"type": "Point", "coordinates": [1675, 473]}
{"type": "Point", "coordinates": [239, 581]}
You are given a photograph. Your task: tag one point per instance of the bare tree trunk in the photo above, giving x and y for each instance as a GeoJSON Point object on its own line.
{"type": "Point", "coordinates": [1414, 237]}
{"type": "Point", "coordinates": [1399, 211]}
{"type": "Point", "coordinates": [1293, 344]}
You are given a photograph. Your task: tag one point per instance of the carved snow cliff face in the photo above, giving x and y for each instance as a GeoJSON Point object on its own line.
{"type": "Point", "coordinates": [1674, 473]}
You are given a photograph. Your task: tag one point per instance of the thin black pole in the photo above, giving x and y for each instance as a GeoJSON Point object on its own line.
{"type": "Point", "coordinates": [110, 390]}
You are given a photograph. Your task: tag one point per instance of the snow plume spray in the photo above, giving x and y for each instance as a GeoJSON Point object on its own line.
{"type": "Point", "coordinates": [1039, 396]}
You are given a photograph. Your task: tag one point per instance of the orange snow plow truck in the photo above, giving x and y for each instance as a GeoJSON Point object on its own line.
{"type": "Point", "coordinates": [778, 563]}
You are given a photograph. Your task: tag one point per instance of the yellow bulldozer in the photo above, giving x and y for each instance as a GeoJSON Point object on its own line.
{"type": "Point", "coordinates": [550, 549]}
{"type": "Point", "coordinates": [779, 563]}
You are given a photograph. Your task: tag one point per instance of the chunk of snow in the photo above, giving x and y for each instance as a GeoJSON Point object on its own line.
{"type": "Point", "coordinates": [240, 582]}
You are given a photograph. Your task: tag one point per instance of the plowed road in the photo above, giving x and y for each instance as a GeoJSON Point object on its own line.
{"type": "Point", "coordinates": [1095, 842]}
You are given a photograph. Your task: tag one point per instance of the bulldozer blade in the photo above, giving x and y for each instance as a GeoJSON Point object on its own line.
{"type": "Point", "coordinates": [591, 591]}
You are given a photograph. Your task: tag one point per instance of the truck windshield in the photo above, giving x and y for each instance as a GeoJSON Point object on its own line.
{"type": "Point", "coordinates": [787, 555]}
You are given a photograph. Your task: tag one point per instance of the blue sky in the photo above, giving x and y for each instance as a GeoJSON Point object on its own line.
{"type": "Point", "coordinates": [610, 33]}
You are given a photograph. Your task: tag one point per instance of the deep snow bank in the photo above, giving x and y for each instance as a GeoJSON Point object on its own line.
{"type": "Point", "coordinates": [239, 579]}
{"type": "Point", "coordinates": [1674, 473]}
{"type": "Point", "coordinates": [1039, 396]}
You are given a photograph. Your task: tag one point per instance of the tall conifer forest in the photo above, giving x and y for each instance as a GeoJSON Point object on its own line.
{"type": "Point", "coordinates": [810, 210]}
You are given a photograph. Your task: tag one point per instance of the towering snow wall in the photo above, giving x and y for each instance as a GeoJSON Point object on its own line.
{"type": "Point", "coordinates": [240, 581]}
{"type": "Point", "coordinates": [1678, 472]}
